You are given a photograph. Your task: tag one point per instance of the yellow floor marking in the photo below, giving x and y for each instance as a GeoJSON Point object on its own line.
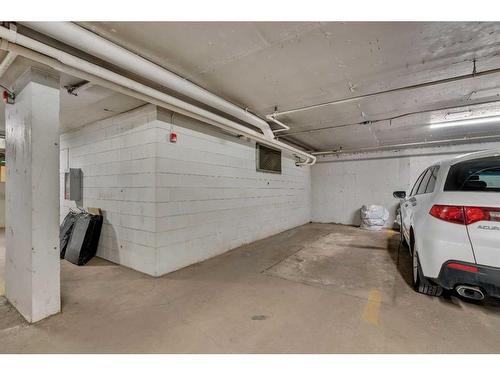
{"type": "Point", "coordinates": [372, 308]}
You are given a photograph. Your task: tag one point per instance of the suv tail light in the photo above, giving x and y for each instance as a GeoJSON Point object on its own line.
{"type": "Point", "coordinates": [453, 214]}
{"type": "Point", "coordinates": [465, 215]}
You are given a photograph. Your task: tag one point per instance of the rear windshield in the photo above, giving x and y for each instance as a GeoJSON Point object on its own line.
{"type": "Point", "coordinates": [475, 175]}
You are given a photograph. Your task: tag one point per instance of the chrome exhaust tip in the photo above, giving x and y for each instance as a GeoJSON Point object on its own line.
{"type": "Point", "coordinates": [471, 292]}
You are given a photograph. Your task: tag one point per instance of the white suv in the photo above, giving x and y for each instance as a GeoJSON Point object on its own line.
{"type": "Point", "coordinates": [451, 223]}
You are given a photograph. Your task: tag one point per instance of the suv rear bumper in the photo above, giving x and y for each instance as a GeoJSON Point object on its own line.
{"type": "Point", "coordinates": [487, 278]}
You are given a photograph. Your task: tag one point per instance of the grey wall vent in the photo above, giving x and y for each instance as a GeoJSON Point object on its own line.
{"type": "Point", "coordinates": [268, 159]}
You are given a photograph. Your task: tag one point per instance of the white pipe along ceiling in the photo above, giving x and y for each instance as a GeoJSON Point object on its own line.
{"type": "Point", "coordinates": [484, 138]}
{"type": "Point", "coordinates": [283, 126]}
{"type": "Point", "coordinates": [62, 61]}
{"type": "Point", "coordinates": [474, 74]}
{"type": "Point", "coordinates": [78, 37]}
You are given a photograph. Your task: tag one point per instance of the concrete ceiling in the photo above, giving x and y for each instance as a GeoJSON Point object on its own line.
{"type": "Point", "coordinates": [93, 104]}
{"type": "Point", "coordinates": [261, 66]}
{"type": "Point", "coordinates": [290, 65]}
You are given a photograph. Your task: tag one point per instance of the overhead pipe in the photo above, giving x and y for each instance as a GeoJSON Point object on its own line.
{"type": "Point", "coordinates": [87, 41]}
{"type": "Point", "coordinates": [392, 91]}
{"type": "Point", "coordinates": [70, 64]}
{"type": "Point", "coordinates": [279, 123]}
{"type": "Point", "coordinates": [391, 118]}
{"type": "Point", "coordinates": [403, 145]}
{"type": "Point", "coordinates": [92, 79]}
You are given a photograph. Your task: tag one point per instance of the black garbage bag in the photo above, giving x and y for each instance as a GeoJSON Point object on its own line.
{"type": "Point", "coordinates": [82, 245]}
{"type": "Point", "coordinates": [65, 231]}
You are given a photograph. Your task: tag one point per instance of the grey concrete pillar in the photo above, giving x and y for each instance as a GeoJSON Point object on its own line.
{"type": "Point", "coordinates": [32, 274]}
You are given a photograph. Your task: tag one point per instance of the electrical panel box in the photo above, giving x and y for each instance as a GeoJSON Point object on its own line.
{"type": "Point", "coordinates": [73, 184]}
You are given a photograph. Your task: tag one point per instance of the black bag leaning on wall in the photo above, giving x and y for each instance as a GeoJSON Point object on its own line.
{"type": "Point", "coordinates": [84, 239]}
{"type": "Point", "coordinates": [65, 231]}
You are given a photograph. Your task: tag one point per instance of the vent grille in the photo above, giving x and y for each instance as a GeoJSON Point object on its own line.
{"type": "Point", "coordinates": [268, 159]}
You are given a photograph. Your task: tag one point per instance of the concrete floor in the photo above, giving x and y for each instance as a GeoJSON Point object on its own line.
{"type": "Point", "coordinates": [318, 288]}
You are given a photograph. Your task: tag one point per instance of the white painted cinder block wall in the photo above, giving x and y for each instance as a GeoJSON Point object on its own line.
{"type": "Point", "coordinates": [168, 205]}
{"type": "Point", "coordinates": [341, 185]}
{"type": "Point", "coordinates": [211, 198]}
{"type": "Point", "coordinates": [117, 158]}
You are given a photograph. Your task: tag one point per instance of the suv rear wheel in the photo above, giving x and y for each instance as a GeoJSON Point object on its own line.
{"type": "Point", "coordinates": [420, 283]}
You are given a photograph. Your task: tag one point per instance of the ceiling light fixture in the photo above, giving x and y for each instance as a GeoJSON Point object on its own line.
{"type": "Point", "coordinates": [475, 121]}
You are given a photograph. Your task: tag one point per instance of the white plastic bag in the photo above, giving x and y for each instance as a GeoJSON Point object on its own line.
{"type": "Point", "coordinates": [373, 217]}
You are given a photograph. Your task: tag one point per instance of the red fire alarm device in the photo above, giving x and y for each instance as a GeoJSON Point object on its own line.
{"type": "Point", "coordinates": [8, 97]}
{"type": "Point", "coordinates": [173, 137]}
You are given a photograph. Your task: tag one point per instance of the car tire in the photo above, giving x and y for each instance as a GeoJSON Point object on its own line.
{"type": "Point", "coordinates": [420, 283]}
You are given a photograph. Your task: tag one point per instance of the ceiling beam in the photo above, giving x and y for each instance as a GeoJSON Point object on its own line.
{"type": "Point", "coordinates": [474, 73]}
{"type": "Point", "coordinates": [391, 118]}
{"type": "Point", "coordinates": [466, 139]}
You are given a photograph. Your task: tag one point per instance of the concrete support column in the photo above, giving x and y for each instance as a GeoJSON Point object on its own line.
{"type": "Point", "coordinates": [32, 275]}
